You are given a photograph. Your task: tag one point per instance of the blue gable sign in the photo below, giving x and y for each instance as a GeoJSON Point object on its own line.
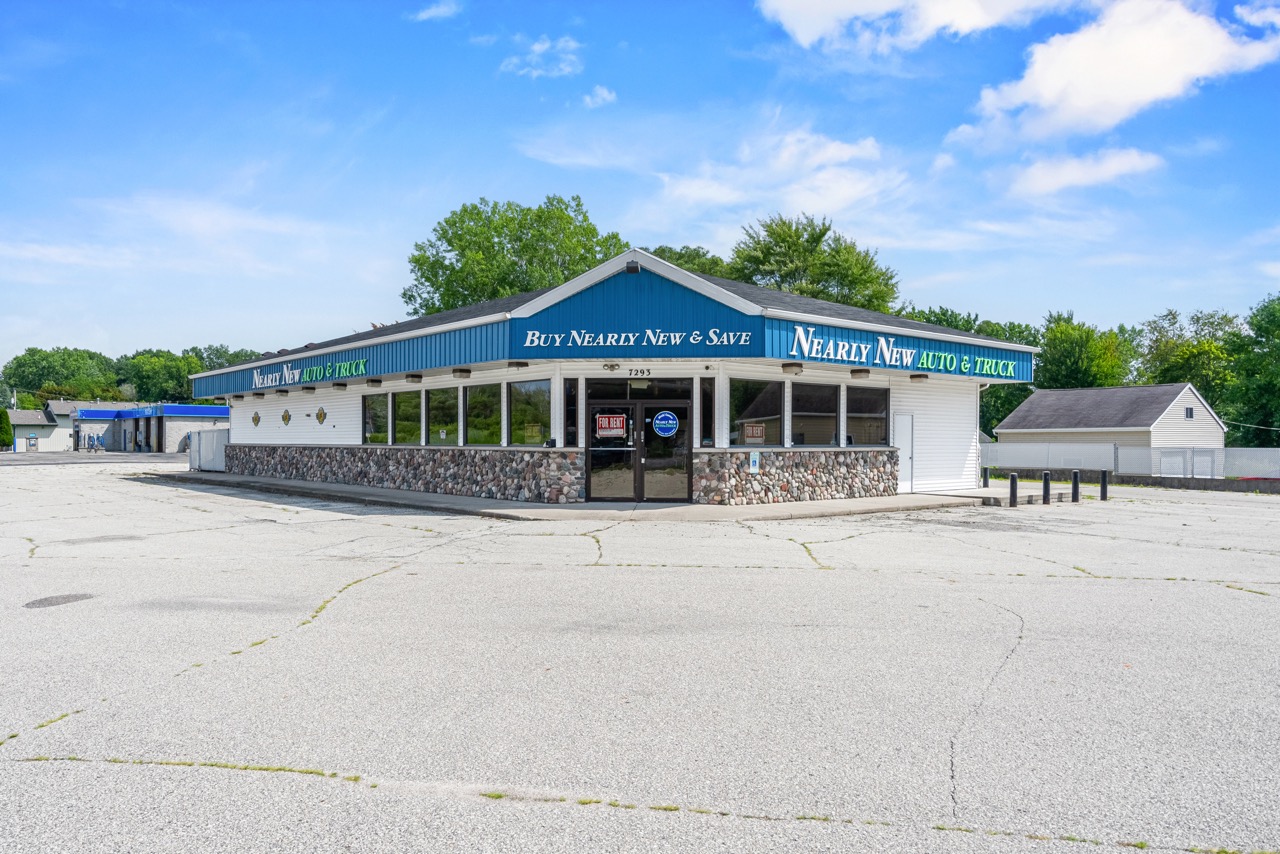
{"type": "Point", "coordinates": [637, 316]}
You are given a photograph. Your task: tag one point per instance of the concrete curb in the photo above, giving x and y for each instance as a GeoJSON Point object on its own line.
{"type": "Point", "coordinates": [495, 509]}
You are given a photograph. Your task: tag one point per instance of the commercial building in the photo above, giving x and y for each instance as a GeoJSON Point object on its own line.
{"type": "Point", "coordinates": [636, 381]}
{"type": "Point", "coordinates": [33, 430]}
{"type": "Point", "coordinates": [162, 428]}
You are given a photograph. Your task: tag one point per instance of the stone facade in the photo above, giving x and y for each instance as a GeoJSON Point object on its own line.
{"type": "Point", "coordinates": [724, 477]}
{"type": "Point", "coordinates": [544, 476]}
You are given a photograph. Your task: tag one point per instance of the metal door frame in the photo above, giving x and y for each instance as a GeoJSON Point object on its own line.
{"type": "Point", "coordinates": [637, 442]}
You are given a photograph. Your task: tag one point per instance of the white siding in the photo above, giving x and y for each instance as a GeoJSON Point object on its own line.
{"type": "Point", "coordinates": [946, 430]}
{"type": "Point", "coordinates": [1175, 430]}
{"type": "Point", "coordinates": [341, 425]}
{"type": "Point", "coordinates": [1123, 438]}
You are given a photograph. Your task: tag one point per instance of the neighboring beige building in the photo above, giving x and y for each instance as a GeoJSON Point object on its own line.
{"type": "Point", "coordinates": [33, 430]}
{"type": "Point", "coordinates": [1142, 416]}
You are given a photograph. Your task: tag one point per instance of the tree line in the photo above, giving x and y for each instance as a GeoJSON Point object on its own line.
{"type": "Point", "coordinates": [487, 250]}
{"type": "Point", "coordinates": [38, 375]}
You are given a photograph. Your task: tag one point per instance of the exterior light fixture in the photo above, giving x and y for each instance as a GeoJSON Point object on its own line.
{"type": "Point", "coordinates": [258, 395]}
{"type": "Point", "coordinates": [373, 383]}
{"type": "Point", "coordinates": [633, 266]}
{"type": "Point", "coordinates": [237, 397]}
{"type": "Point", "coordinates": [413, 378]}
{"type": "Point", "coordinates": [308, 389]}
{"type": "Point", "coordinates": [282, 392]}
{"type": "Point", "coordinates": [860, 373]}
{"type": "Point", "coordinates": [919, 378]}
{"type": "Point", "coordinates": [611, 366]}
{"type": "Point", "coordinates": [339, 386]}
{"type": "Point", "coordinates": [461, 373]}
{"type": "Point", "coordinates": [792, 367]}
{"type": "Point", "coordinates": [517, 364]}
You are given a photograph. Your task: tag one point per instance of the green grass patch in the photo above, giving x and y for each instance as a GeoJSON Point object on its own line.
{"type": "Point", "coordinates": [493, 796]}
{"type": "Point", "coordinates": [53, 721]}
{"type": "Point", "coordinates": [665, 808]}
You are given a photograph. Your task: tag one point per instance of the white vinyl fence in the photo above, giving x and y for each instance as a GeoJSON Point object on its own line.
{"type": "Point", "coordinates": [1157, 462]}
{"type": "Point", "coordinates": [208, 450]}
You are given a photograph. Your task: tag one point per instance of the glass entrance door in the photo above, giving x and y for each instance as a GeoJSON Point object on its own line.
{"type": "Point", "coordinates": [665, 458]}
{"type": "Point", "coordinates": [611, 453]}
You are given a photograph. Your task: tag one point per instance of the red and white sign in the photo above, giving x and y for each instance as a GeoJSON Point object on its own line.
{"type": "Point", "coordinates": [753, 434]}
{"type": "Point", "coordinates": [611, 426]}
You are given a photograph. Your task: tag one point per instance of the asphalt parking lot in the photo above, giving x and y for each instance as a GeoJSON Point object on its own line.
{"type": "Point", "coordinates": [190, 668]}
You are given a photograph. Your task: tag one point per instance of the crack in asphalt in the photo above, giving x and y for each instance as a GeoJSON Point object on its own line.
{"type": "Point", "coordinates": [977, 707]}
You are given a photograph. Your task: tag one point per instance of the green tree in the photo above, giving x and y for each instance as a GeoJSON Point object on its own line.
{"type": "Point", "coordinates": [6, 430]}
{"type": "Point", "coordinates": [60, 366]}
{"type": "Point", "coordinates": [216, 356]}
{"type": "Point", "coordinates": [1194, 351]}
{"type": "Point", "coordinates": [806, 256]}
{"type": "Point", "coordinates": [488, 250]}
{"type": "Point", "coordinates": [1077, 355]}
{"type": "Point", "coordinates": [159, 375]}
{"type": "Point", "coordinates": [1254, 398]}
{"type": "Point", "coordinates": [941, 316]}
{"type": "Point", "coordinates": [695, 259]}
{"type": "Point", "coordinates": [997, 400]}
{"type": "Point", "coordinates": [76, 391]}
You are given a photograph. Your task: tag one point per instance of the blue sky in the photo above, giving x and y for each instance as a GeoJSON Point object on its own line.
{"type": "Point", "coordinates": [256, 173]}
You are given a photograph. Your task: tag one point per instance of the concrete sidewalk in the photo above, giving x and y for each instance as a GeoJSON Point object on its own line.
{"type": "Point", "coordinates": [608, 511]}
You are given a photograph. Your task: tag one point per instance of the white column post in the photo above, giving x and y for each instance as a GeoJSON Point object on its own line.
{"type": "Point", "coordinates": [557, 406]}
{"type": "Point", "coordinates": [786, 413]}
{"type": "Point", "coordinates": [422, 417]}
{"type": "Point", "coordinates": [695, 413]}
{"type": "Point", "coordinates": [842, 414]}
{"type": "Point", "coordinates": [584, 439]}
{"type": "Point", "coordinates": [462, 414]}
{"type": "Point", "coordinates": [504, 437]}
{"type": "Point", "coordinates": [722, 408]}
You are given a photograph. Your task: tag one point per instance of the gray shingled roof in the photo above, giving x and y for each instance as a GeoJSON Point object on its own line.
{"type": "Point", "coordinates": [29, 418]}
{"type": "Point", "coordinates": [468, 312]}
{"type": "Point", "coordinates": [1092, 408]}
{"type": "Point", "coordinates": [763, 297]}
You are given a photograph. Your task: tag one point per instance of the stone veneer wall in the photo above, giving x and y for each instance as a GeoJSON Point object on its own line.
{"type": "Point", "coordinates": [724, 477]}
{"type": "Point", "coordinates": [545, 476]}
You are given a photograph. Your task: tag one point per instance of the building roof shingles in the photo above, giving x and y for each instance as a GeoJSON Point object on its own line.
{"type": "Point", "coordinates": [1092, 408]}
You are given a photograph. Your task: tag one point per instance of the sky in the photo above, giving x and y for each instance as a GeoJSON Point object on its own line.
{"type": "Point", "coordinates": [257, 173]}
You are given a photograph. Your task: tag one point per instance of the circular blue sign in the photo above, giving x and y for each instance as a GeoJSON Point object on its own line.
{"type": "Point", "coordinates": [665, 424]}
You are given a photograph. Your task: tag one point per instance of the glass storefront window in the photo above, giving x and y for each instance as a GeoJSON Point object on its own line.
{"type": "Point", "coordinates": [375, 419]}
{"type": "Point", "coordinates": [442, 416]}
{"type": "Point", "coordinates": [755, 412]}
{"type": "Point", "coordinates": [571, 413]}
{"type": "Point", "coordinates": [407, 427]}
{"type": "Point", "coordinates": [529, 412]}
{"type": "Point", "coordinates": [814, 414]}
{"type": "Point", "coordinates": [484, 414]}
{"type": "Point", "coordinates": [707, 390]}
{"type": "Point", "coordinates": [867, 416]}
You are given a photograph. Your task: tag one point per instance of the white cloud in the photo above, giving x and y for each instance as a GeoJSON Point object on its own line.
{"type": "Point", "coordinates": [1137, 54]}
{"type": "Point", "coordinates": [438, 11]}
{"type": "Point", "coordinates": [598, 97]}
{"type": "Point", "coordinates": [942, 163]}
{"type": "Point", "coordinates": [1270, 268]}
{"type": "Point", "coordinates": [483, 40]}
{"type": "Point", "coordinates": [886, 24]}
{"type": "Point", "coordinates": [1050, 176]}
{"type": "Point", "coordinates": [546, 58]}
